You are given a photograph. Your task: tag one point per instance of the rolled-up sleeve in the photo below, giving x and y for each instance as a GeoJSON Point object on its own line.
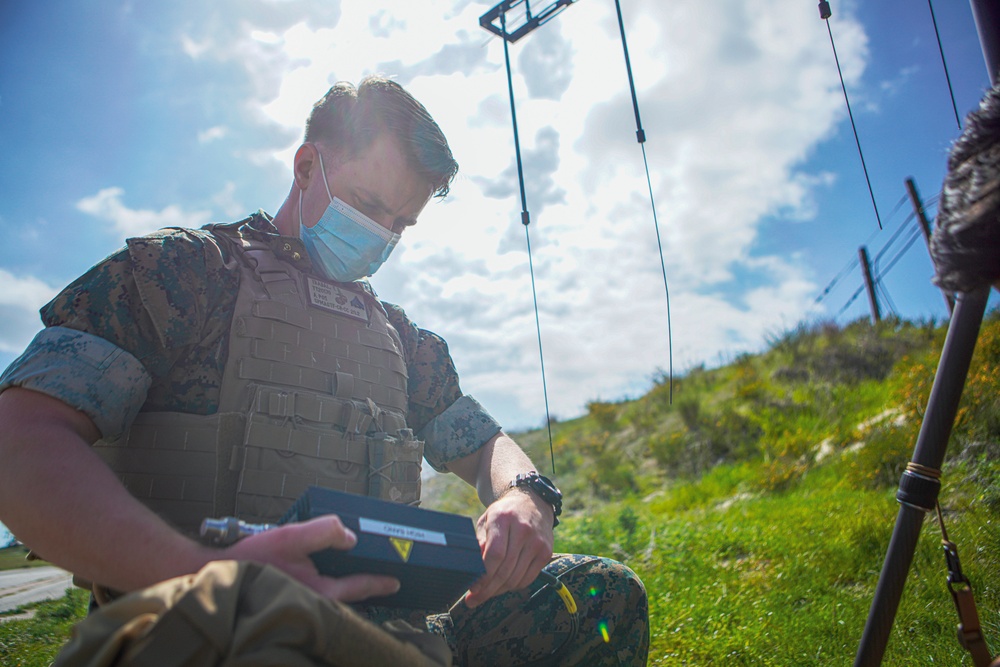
{"type": "Point", "coordinates": [84, 371]}
{"type": "Point", "coordinates": [451, 424]}
{"type": "Point", "coordinates": [460, 430]}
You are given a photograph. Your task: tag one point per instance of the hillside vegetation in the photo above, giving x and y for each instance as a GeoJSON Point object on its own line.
{"type": "Point", "coordinates": [757, 504]}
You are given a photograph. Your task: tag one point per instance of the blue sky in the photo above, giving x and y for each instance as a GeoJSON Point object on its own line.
{"type": "Point", "coordinates": [117, 118]}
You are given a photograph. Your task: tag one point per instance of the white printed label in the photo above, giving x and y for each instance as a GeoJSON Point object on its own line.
{"type": "Point", "coordinates": [405, 532]}
{"type": "Point", "coordinates": [336, 300]}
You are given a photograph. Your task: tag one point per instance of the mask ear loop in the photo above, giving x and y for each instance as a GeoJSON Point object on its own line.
{"type": "Point", "coordinates": [300, 209]}
{"type": "Point", "coordinates": [322, 170]}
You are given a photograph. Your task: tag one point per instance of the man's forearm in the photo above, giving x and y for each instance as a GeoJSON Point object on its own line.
{"type": "Point", "coordinates": [500, 461]}
{"type": "Point", "coordinates": [60, 499]}
{"type": "Point", "coordinates": [493, 467]}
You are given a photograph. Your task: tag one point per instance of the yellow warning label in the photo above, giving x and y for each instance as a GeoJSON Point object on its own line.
{"type": "Point", "coordinates": [403, 547]}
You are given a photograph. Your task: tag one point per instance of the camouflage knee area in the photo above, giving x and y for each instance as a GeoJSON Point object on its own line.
{"type": "Point", "coordinates": [535, 627]}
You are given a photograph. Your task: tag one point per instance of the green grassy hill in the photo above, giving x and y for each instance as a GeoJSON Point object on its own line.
{"type": "Point", "coordinates": [757, 504]}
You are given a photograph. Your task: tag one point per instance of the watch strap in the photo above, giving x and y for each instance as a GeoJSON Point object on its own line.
{"type": "Point", "coordinates": [543, 488]}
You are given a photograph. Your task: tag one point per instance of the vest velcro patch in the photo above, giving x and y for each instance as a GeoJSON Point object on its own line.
{"type": "Point", "coordinates": [336, 299]}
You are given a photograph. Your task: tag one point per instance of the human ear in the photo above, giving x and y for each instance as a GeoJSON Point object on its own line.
{"type": "Point", "coordinates": [304, 165]}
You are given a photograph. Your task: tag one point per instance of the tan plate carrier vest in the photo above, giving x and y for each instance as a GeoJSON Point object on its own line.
{"type": "Point", "coordinates": [313, 392]}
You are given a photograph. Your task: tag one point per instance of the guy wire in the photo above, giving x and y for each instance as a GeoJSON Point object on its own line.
{"type": "Point", "coordinates": [854, 127]}
{"type": "Point", "coordinates": [526, 220]}
{"type": "Point", "coordinates": [945, 64]}
{"type": "Point", "coordinates": [640, 136]}
{"type": "Point", "coordinates": [886, 299]}
{"type": "Point", "coordinates": [915, 234]}
{"type": "Point", "coordinates": [904, 226]}
{"type": "Point", "coordinates": [837, 278]}
{"type": "Point", "coordinates": [847, 305]}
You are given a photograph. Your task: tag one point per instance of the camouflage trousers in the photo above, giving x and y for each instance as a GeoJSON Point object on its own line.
{"type": "Point", "coordinates": [535, 627]}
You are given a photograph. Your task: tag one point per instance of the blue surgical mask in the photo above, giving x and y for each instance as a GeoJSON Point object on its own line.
{"type": "Point", "coordinates": [345, 243]}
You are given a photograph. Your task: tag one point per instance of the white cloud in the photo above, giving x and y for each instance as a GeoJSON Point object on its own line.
{"type": "Point", "coordinates": [212, 134]}
{"type": "Point", "coordinates": [899, 83]}
{"type": "Point", "coordinates": [265, 37]}
{"type": "Point", "coordinates": [725, 152]}
{"type": "Point", "coordinates": [547, 64]}
{"type": "Point", "coordinates": [107, 205]}
{"type": "Point", "coordinates": [226, 201]}
{"type": "Point", "coordinates": [20, 300]}
{"type": "Point", "coordinates": [25, 292]}
{"type": "Point", "coordinates": [193, 48]}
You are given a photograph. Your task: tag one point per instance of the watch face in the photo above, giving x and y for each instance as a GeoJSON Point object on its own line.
{"type": "Point", "coordinates": [544, 488]}
{"type": "Point", "coordinates": [546, 483]}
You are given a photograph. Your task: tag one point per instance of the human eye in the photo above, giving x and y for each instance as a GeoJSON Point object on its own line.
{"type": "Point", "coordinates": [399, 226]}
{"type": "Point", "coordinates": [369, 209]}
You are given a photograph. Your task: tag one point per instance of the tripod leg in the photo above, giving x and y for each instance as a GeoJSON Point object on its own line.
{"type": "Point", "coordinates": [918, 493]}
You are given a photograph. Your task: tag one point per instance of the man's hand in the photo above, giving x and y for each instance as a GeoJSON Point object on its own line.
{"type": "Point", "coordinates": [288, 547]}
{"type": "Point", "coordinates": [515, 536]}
{"type": "Point", "coordinates": [515, 531]}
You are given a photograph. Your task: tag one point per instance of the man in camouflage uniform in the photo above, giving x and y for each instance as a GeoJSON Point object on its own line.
{"type": "Point", "coordinates": [219, 370]}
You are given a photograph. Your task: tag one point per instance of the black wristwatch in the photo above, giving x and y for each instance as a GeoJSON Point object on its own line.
{"type": "Point", "coordinates": [542, 487]}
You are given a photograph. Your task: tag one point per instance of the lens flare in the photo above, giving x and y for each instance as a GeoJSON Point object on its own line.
{"type": "Point", "coordinates": [603, 627]}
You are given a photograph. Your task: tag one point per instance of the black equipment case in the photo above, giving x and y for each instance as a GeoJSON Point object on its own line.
{"type": "Point", "coordinates": [434, 555]}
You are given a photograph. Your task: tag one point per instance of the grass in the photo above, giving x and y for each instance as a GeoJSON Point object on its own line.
{"type": "Point", "coordinates": [35, 641]}
{"type": "Point", "coordinates": [788, 578]}
{"type": "Point", "coordinates": [753, 549]}
{"type": "Point", "coordinates": [13, 558]}
{"type": "Point", "coordinates": [742, 576]}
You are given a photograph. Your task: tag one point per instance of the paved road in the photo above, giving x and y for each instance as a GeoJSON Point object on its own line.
{"type": "Point", "coordinates": [19, 587]}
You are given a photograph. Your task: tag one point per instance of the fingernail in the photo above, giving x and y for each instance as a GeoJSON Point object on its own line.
{"type": "Point", "coordinates": [351, 536]}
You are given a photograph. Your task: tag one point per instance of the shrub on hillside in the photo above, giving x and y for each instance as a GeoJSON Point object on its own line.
{"type": "Point", "coordinates": [667, 449]}
{"type": "Point", "coordinates": [851, 359]}
{"type": "Point", "coordinates": [707, 439]}
{"type": "Point", "coordinates": [881, 457]}
{"type": "Point", "coordinates": [609, 472]}
{"type": "Point", "coordinates": [748, 384]}
{"type": "Point", "coordinates": [979, 416]}
{"type": "Point", "coordinates": [780, 474]}
{"type": "Point", "coordinates": [605, 414]}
